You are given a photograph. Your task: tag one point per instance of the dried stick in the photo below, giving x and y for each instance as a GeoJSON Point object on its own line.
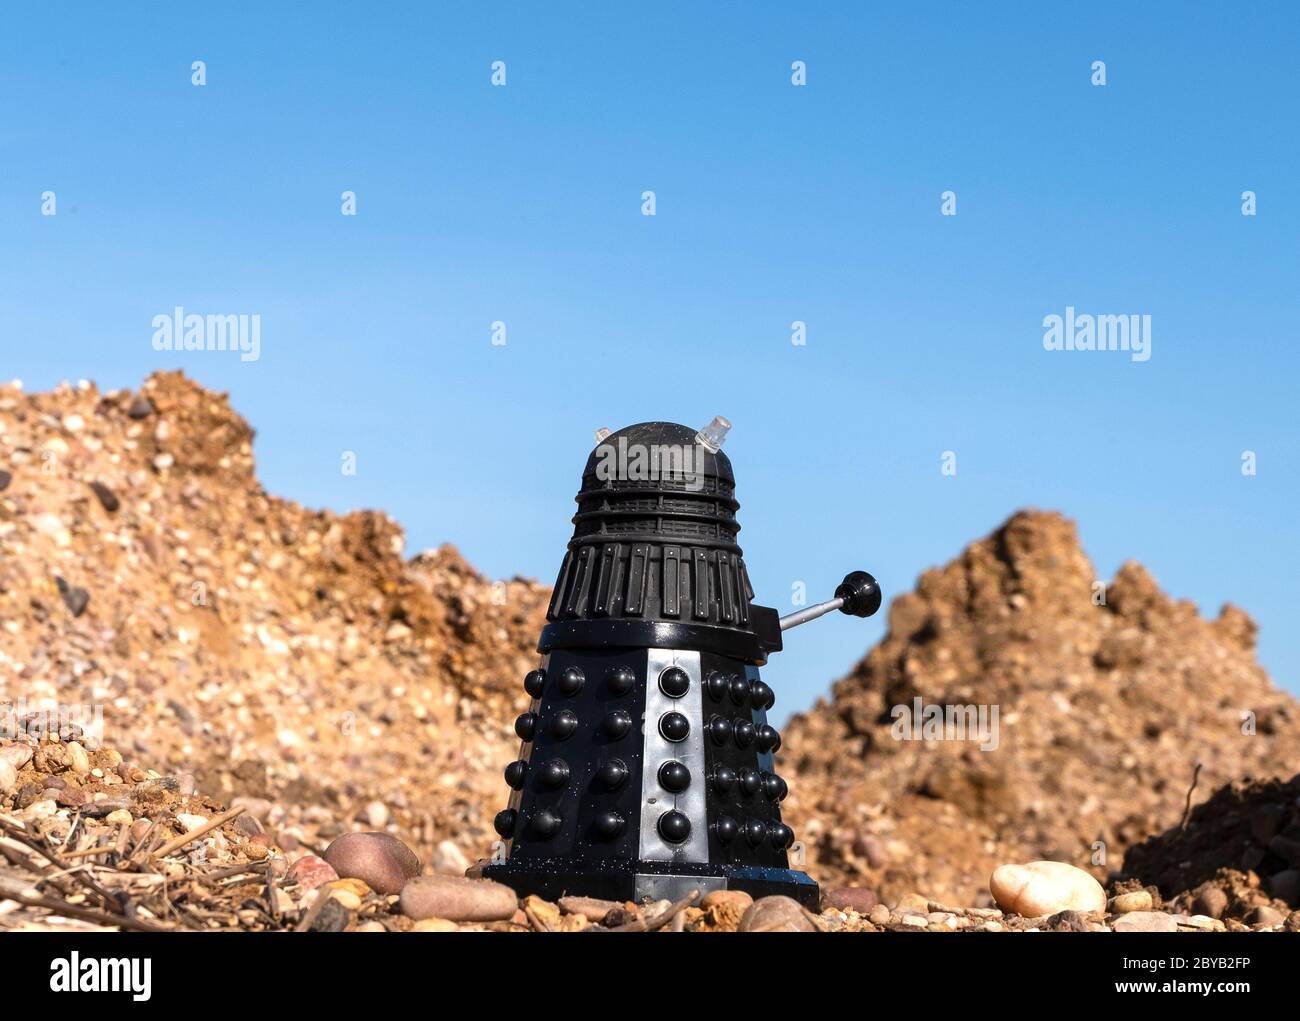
{"type": "Point", "coordinates": [194, 834]}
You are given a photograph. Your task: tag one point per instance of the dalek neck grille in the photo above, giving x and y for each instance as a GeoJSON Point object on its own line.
{"type": "Point", "coordinates": [654, 557]}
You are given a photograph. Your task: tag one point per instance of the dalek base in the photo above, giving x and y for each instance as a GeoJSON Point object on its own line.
{"type": "Point", "coordinates": [640, 881]}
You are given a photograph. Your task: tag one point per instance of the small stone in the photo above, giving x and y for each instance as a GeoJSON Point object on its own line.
{"type": "Point", "coordinates": [543, 910]}
{"type": "Point", "coordinates": [373, 927]}
{"type": "Point", "coordinates": [1145, 921]}
{"type": "Point", "coordinates": [17, 755]}
{"type": "Point", "coordinates": [5, 479]}
{"type": "Point", "coordinates": [310, 872]}
{"type": "Point", "coordinates": [879, 915]}
{"type": "Point", "coordinates": [1265, 915]}
{"type": "Point", "coordinates": [383, 861]}
{"type": "Point", "coordinates": [377, 815]}
{"type": "Point", "coordinates": [434, 925]}
{"type": "Point", "coordinates": [163, 461]}
{"type": "Point", "coordinates": [914, 920]}
{"type": "Point", "coordinates": [191, 822]}
{"type": "Point", "coordinates": [141, 407]}
{"type": "Point", "coordinates": [449, 859]}
{"type": "Point", "coordinates": [776, 914]}
{"type": "Point", "coordinates": [1138, 900]}
{"type": "Point", "coordinates": [716, 898]}
{"type": "Point", "coordinates": [912, 903]}
{"type": "Point", "coordinates": [1285, 885]}
{"type": "Point", "coordinates": [78, 760]}
{"type": "Point", "coordinates": [1045, 888]}
{"type": "Point", "coordinates": [872, 848]}
{"type": "Point", "coordinates": [457, 898]}
{"type": "Point", "coordinates": [8, 776]}
{"type": "Point", "coordinates": [850, 898]}
{"type": "Point", "coordinates": [590, 908]}
{"type": "Point", "coordinates": [1211, 901]}
{"type": "Point", "coordinates": [119, 817]}
{"type": "Point", "coordinates": [347, 898]}
{"type": "Point", "coordinates": [332, 917]}
{"type": "Point", "coordinates": [74, 598]}
{"type": "Point", "coordinates": [107, 498]}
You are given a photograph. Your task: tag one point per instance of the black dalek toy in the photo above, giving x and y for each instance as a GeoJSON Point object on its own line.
{"type": "Point", "coordinates": [646, 767]}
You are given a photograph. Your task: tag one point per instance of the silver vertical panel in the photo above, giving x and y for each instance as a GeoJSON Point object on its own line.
{"type": "Point", "coordinates": [655, 801]}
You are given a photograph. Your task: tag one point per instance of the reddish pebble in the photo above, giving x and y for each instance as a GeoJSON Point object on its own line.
{"type": "Point", "coordinates": [379, 860]}
{"type": "Point", "coordinates": [310, 872]}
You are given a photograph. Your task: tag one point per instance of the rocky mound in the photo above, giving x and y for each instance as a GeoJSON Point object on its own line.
{"type": "Point", "coordinates": [265, 650]}
{"type": "Point", "coordinates": [1107, 699]}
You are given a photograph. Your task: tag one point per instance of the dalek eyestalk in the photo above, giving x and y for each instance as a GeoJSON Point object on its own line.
{"type": "Point", "coordinates": [646, 766]}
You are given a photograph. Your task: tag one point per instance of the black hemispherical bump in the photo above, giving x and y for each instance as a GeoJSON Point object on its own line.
{"type": "Point", "coordinates": [534, 682]}
{"type": "Point", "coordinates": [720, 730]}
{"type": "Point", "coordinates": [516, 773]}
{"type": "Point", "coordinates": [780, 835]}
{"type": "Point", "coordinates": [674, 683]}
{"type": "Point", "coordinates": [738, 688]}
{"type": "Point", "coordinates": [545, 823]}
{"type": "Point", "coordinates": [620, 679]}
{"type": "Point", "coordinates": [674, 726]}
{"type": "Point", "coordinates": [674, 777]}
{"type": "Point", "coordinates": [726, 828]}
{"type": "Point", "coordinates": [716, 683]}
{"type": "Point", "coordinates": [767, 737]}
{"type": "Point", "coordinates": [526, 726]}
{"type": "Point", "coordinates": [744, 733]}
{"type": "Point", "coordinates": [555, 773]}
{"type": "Point", "coordinates": [617, 723]}
{"type": "Point", "coordinates": [774, 787]}
{"type": "Point", "coordinates": [570, 681]}
{"type": "Point", "coordinates": [724, 778]}
{"type": "Point", "coordinates": [609, 824]}
{"type": "Point", "coordinates": [750, 782]}
{"type": "Point", "coordinates": [564, 724]}
{"type": "Point", "coordinates": [762, 696]}
{"type": "Point", "coordinates": [674, 827]}
{"type": "Point", "coordinates": [755, 831]}
{"type": "Point", "coordinates": [612, 774]}
{"type": "Point", "coordinates": [776, 743]}
{"type": "Point", "coordinates": [504, 823]}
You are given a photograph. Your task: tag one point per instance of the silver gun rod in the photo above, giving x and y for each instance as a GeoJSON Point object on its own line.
{"type": "Point", "coordinates": [810, 613]}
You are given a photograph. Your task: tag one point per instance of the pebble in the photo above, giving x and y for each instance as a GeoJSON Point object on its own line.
{"type": "Point", "coordinates": [543, 910]}
{"type": "Point", "coordinates": [449, 859]}
{"type": "Point", "coordinates": [76, 599]}
{"type": "Point", "coordinates": [332, 917]}
{"type": "Point", "coordinates": [77, 758]}
{"type": "Point", "coordinates": [880, 915]}
{"type": "Point", "coordinates": [913, 904]}
{"type": "Point", "coordinates": [383, 861]}
{"type": "Point", "coordinates": [1045, 888]}
{"type": "Point", "coordinates": [141, 407]}
{"type": "Point", "coordinates": [1211, 901]}
{"type": "Point", "coordinates": [17, 755]}
{"type": "Point", "coordinates": [190, 822]}
{"type": "Point", "coordinates": [850, 898]}
{"type": "Point", "coordinates": [5, 479]}
{"type": "Point", "coordinates": [8, 775]}
{"type": "Point", "coordinates": [457, 898]}
{"type": "Point", "coordinates": [1138, 900]}
{"type": "Point", "coordinates": [347, 898]}
{"type": "Point", "coordinates": [776, 914]}
{"type": "Point", "coordinates": [119, 817]}
{"type": "Point", "coordinates": [914, 920]}
{"type": "Point", "coordinates": [1265, 915]}
{"type": "Point", "coordinates": [377, 815]}
{"type": "Point", "coordinates": [310, 872]}
{"type": "Point", "coordinates": [107, 498]}
{"type": "Point", "coordinates": [434, 925]}
{"type": "Point", "coordinates": [723, 898]}
{"type": "Point", "coordinates": [1285, 885]}
{"type": "Point", "coordinates": [590, 908]}
{"type": "Point", "coordinates": [1145, 921]}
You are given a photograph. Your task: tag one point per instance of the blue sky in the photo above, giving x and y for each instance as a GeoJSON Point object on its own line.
{"type": "Point", "coordinates": [774, 203]}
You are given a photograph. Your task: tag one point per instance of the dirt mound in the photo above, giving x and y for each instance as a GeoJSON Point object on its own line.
{"type": "Point", "coordinates": [268, 650]}
{"type": "Point", "coordinates": [1244, 842]}
{"type": "Point", "coordinates": [1098, 702]}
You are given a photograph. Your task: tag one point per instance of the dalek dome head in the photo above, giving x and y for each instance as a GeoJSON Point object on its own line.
{"type": "Point", "coordinates": [654, 558]}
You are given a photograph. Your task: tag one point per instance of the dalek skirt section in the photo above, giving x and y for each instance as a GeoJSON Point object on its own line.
{"type": "Point", "coordinates": [646, 773]}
